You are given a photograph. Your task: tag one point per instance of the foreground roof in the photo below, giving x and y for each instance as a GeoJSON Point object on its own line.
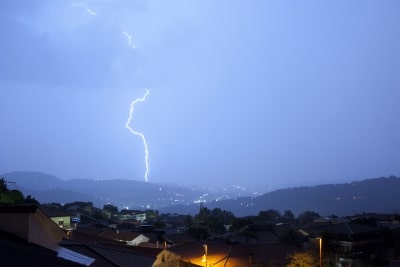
{"type": "Point", "coordinates": [15, 251]}
{"type": "Point", "coordinates": [113, 255]}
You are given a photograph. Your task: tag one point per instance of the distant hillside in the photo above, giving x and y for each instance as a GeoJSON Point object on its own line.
{"type": "Point", "coordinates": [122, 193]}
{"type": "Point", "coordinates": [35, 181]}
{"type": "Point", "coordinates": [371, 195]}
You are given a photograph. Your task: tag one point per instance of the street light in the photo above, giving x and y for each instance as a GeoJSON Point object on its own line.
{"type": "Point", "coordinates": [205, 254]}
{"type": "Point", "coordinates": [320, 251]}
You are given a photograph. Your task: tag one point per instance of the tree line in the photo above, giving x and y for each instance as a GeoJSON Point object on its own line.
{"type": "Point", "coordinates": [13, 197]}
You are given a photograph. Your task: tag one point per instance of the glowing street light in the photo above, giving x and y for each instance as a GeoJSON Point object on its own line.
{"type": "Point", "coordinates": [320, 251]}
{"type": "Point", "coordinates": [204, 258]}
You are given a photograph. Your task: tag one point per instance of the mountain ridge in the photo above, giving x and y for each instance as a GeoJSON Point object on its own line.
{"type": "Point", "coordinates": [368, 195]}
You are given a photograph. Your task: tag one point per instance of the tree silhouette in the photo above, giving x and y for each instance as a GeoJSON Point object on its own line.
{"type": "Point", "coordinates": [110, 208]}
{"type": "Point", "coordinates": [269, 215]}
{"type": "Point", "coordinates": [303, 259]}
{"type": "Point", "coordinates": [31, 200]}
{"type": "Point", "coordinates": [9, 196]}
{"type": "Point", "coordinates": [3, 185]}
{"type": "Point", "coordinates": [307, 217]}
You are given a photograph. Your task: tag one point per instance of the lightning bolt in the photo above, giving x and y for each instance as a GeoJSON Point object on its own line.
{"type": "Point", "coordinates": [129, 37]}
{"type": "Point", "coordinates": [91, 12]}
{"type": "Point", "coordinates": [133, 46]}
{"type": "Point", "coordinates": [146, 152]}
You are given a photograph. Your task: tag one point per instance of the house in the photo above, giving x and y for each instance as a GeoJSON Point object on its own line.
{"type": "Point", "coordinates": [16, 251]}
{"type": "Point", "coordinates": [202, 253]}
{"type": "Point", "coordinates": [196, 253]}
{"type": "Point", "coordinates": [60, 217]}
{"type": "Point", "coordinates": [105, 254]}
{"type": "Point", "coordinates": [109, 252]}
{"type": "Point", "coordinates": [266, 254]}
{"type": "Point", "coordinates": [31, 224]}
{"type": "Point", "coordinates": [136, 215]}
{"type": "Point", "coordinates": [27, 228]}
{"type": "Point", "coordinates": [349, 242]}
{"type": "Point", "coordinates": [85, 237]}
{"type": "Point", "coordinates": [29, 238]}
{"type": "Point", "coordinates": [130, 238]}
{"type": "Point", "coordinates": [255, 235]}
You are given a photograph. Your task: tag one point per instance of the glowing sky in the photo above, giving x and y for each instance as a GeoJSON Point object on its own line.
{"type": "Point", "coordinates": [273, 93]}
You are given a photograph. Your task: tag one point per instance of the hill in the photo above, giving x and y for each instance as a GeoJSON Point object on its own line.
{"type": "Point", "coordinates": [370, 195]}
{"type": "Point", "coordinates": [379, 195]}
{"type": "Point", "coordinates": [121, 193]}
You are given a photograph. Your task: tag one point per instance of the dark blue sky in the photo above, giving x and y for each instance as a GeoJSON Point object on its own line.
{"type": "Point", "coordinates": [269, 93]}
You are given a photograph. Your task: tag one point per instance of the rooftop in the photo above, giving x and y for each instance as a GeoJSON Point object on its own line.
{"type": "Point", "coordinates": [15, 251]}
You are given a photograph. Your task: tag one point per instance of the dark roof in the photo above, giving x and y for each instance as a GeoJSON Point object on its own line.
{"type": "Point", "coordinates": [195, 249]}
{"type": "Point", "coordinates": [274, 254]}
{"type": "Point", "coordinates": [18, 208]}
{"type": "Point", "coordinates": [52, 212]}
{"type": "Point", "coordinates": [86, 250]}
{"type": "Point", "coordinates": [352, 228]}
{"type": "Point", "coordinates": [119, 235]}
{"type": "Point", "coordinates": [343, 229]}
{"type": "Point", "coordinates": [181, 238]}
{"type": "Point", "coordinates": [89, 229]}
{"type": "Point", "coordinates": [123, 211]}
{"type": "Point", "coordinates": [113, 255]}
{"type": "Point", "coordinates": [259, 237]}
{"type": "Point", "coordinates": [83, 238]}
{"type": "Point", "coordinates": [15, 251]}
{"type": "Point", "coordinates": [89, 238]}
